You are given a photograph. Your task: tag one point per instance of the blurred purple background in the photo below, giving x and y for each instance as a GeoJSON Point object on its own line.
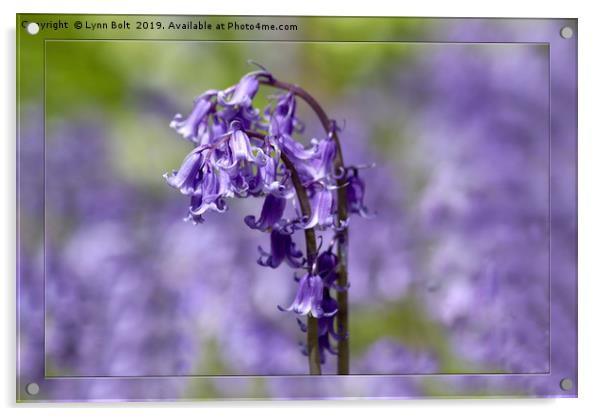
{"type": "Point", "coordinates": [451, 275]}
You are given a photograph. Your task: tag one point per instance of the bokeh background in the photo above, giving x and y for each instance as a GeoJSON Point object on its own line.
{"type": "Point", "coordinates": [451, 275]}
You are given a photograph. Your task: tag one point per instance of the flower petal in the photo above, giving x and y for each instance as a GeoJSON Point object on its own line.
{"type": "Point", "coordinates": [308, 298]}
{"type": "Point", "coordinates": [282, 118]}
{"type": "Point", "coordinates": [186, 178]}
{"type": "Point", "coordinates": [271, 213]}
{"type": "Point", "coordinates": [242, 93]}
{"type": "Point", "coordinates": [355, 196]}
{"type": "Point", "coordinates": [189, 127]}
{"type": "Point", "coordinates": [321, 208]}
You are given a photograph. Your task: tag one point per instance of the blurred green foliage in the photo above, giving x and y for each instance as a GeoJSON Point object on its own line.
{"type": "Point", "coordinates": [405, 321]}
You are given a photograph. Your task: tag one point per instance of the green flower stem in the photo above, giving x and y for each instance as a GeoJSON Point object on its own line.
{"type": "Point", "coordinates": [342, 210]}
{"type": "Point", "coordinates": [313, 352]}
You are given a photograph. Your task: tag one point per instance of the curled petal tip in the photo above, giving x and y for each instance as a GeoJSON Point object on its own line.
{"type": "Point", "coordinates": [283, 309]}
{"type": "Point", "coordinates": [174, 122]}
{"type": "Point", "coordinates": [250, 221]}
{"type": "Point", "coordinates": [302, 325]}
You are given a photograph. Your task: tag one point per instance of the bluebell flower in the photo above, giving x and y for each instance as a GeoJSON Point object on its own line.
{"type": "Point", "coordinates": [241, 154]}
{"type": "Point", "coordinates": [326, 269]}
{"type": "Point", "coordinates": [242, 93]}
{"type": "Point", "coordinates": [271, 213]}
{"type": "Point", "coordinates": [325, 327]}
{"type": "Point", "coordinates": [282, 121]}
{"type": "Point", "coordinates": [355, 195]}
{"type": "Point", "coordinates": [297, 153]}
{"type": "Point", "coordinates": [283, 249]}
{"type": "Point", "coordinates": [326, 322]}
{"type": "Point", "coordinates": [320, 165]}
{"type": "Point", "coordinates": [239, 180]}
{"type": "Point", "coordinates": [323, 346]}
{"type": "Point", "coordinates": [209, 132]}
{"type": "Point", "coordinates": [189, 127]}
{"type": "Point", "coordinates": [209, 194]}
{"type": "Point", "coordinates": [326, 266]}
{"type": "Point", "coordinates": [239, 149]}
{"type": "Point", "coordinates": [265, 180]}
{"type": "Point", "coordinates": [248, 117]}
{"type": "Point", "coordinates": [187, 177]}
{"type": "Point", "coordinates": [321, 207]}
{"type": "Point", "coordinates": [309, 297]}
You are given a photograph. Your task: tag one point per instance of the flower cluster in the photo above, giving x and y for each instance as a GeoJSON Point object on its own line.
{"type": "Point", "coordinates": [241, 152]}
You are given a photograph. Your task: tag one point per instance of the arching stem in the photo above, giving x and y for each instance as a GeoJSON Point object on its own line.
{"type": "Point", "coordinates": [313, 351]}
{"type": "Point", "coordinates": [342, 210]}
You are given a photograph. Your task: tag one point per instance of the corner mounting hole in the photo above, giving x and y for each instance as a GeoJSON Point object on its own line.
{"type": "Point", "coordinates": [32, 389]}
{"type": "Point", "coordinates": [566, 32]}
{"type": "Point", "coordinates": [33, 28]}
{"type": "Point", "coordinates": [566, 384]}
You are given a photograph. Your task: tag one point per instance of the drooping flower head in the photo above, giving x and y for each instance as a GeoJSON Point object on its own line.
{"type": "Point", "coordinates": [271, 213]}
{"type": "Point", "coordinates": [309, 297]}
{"type": "Point", "coordinates": [241, 152]}
{"type": "Point", "coordinates": [282, 249]}
{"type": "Point", "coordinates": [214, 110]}
{"type": "Point", "coordinates": [188, 176]}
{"type": "Point", "coordinates": [281, 117]}
{"type": "Point", "coordinates": [326, 328]}
{"type": "Point", "coordinates": [355, 194]}
{"type": "Point", "coordinates": [197, 121]}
